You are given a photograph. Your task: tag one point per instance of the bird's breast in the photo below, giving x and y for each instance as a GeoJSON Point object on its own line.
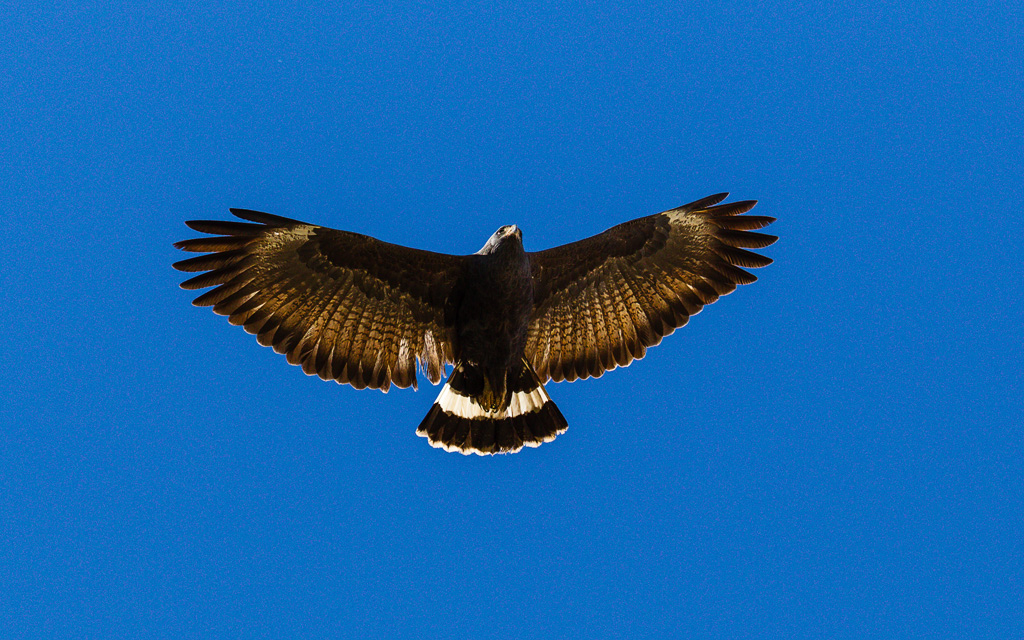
{"type": "Point", "coordinates": [495, 310]}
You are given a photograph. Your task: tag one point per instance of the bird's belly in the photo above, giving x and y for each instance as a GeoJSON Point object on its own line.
{"type": "Point", "coordinates": [492, 331]}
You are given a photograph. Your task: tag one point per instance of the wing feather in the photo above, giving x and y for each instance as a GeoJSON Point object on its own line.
{"type": "Point", "coordinates": [605, 321]}
{"type": "Point", "coordinates": [226, 228]}
{"type": "Point", "coordinates": [341, 305]}
{"type": "Point", "coordinates": [599, 303]}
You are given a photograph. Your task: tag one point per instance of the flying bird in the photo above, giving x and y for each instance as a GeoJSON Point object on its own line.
{"type": "Point", "coordinates": [354, 309]}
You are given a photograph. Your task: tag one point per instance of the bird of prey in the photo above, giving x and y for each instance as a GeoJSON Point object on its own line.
{"type": "Point", "coordinates": [354, 309]}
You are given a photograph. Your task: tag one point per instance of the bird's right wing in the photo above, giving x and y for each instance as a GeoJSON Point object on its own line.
{"type": "Point", "coordinates": [600, 302]}
{"type": "Point", "coordinates": [344, 306]}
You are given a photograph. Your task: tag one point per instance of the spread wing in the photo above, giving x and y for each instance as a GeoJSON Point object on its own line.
{"type": "Point", "coordinates": [345, 306]}
{"type": "Point", "coordinates": [600, 302]}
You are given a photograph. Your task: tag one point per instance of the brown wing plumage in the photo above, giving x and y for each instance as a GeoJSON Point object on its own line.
{"type": "Point", "coordinates": [600, 302]}
{"type": "Point", "coordinates": [344, 306]}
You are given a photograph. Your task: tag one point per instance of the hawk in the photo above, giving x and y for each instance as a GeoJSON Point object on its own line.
{"type": "Point", "coordinates": [354, 309]}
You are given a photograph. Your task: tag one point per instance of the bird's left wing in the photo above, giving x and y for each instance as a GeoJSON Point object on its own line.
{"type": "Point", "coordinates": [344, 306]}
{"type": "Point", "coordinates": [600, 302]}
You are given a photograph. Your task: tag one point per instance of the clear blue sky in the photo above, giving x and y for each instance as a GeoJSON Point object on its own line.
{"type": "Point", "coordinates": [835, 451]}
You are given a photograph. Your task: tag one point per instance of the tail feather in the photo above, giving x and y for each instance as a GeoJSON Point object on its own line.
{"type": "Point", "coordinates": [466, 418]}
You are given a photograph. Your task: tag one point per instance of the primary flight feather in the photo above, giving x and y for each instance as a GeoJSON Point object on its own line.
{"type": "Point", "coordinates": [350, 308]}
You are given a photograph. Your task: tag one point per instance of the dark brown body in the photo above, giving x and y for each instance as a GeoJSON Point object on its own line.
{"type": "Point", "coordinates": [493, 314]}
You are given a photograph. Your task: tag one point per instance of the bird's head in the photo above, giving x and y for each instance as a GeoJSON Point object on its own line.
{"type": "Point", "coordinates": [509, 235]}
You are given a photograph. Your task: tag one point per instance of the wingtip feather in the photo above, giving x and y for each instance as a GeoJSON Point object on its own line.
{"type": "Point", "coordinates": [709, 201]}
{"type": "Point", "coordinates": [262, 217]}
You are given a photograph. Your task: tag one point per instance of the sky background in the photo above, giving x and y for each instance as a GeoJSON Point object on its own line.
{"type": "Point", "coordinates": [834, 451]}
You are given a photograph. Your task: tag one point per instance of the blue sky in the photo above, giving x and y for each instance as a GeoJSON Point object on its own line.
{"type": "Point", "coordinates": [834, 451]}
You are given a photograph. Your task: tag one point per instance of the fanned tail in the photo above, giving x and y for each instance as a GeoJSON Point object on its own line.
{"type": "Point", "coordinates": [464, 418]}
